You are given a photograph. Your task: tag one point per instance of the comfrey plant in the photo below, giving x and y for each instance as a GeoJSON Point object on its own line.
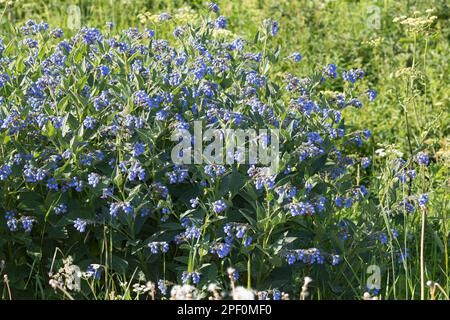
{"type": "Point", "coordinates": [85, 164]}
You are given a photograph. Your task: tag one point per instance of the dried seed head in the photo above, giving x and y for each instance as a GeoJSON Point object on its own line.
{"type": "Point", "coordinates": [53, 283]}
{"type": "Point", "coordinates": [241, 293]}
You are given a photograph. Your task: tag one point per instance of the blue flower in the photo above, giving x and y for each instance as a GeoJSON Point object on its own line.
{"type": "Point", "coordinates": [220, 23]}
{"type": "Point", "coordinates": [297, 57]}
{"type": "Point", "coordinates": [162, 287]}
{"type": "Point", "coordinates": [103, 71]}
{"type": "Point", "coordinates": [5, 171]}
{"type": "Point", "coordinates": [136, 171]}
{"type": "Point", "coordinates": [93, 179]}
{"type": "Point", "coordinates": [138, 149]}
{"type": "Point", "coordinates": [338, 202]}
{"type": "Point", "coordinates": [423, 199]}
{"type": "Point", "coordinates": [195, 276]}
{"type": "Point", "coordinates": [11, 221]}
{"type": "Point", "coordinates": [89, 122]}
{"type": "Point", "coordinates": [247, 241]}
{"type": "Point", "coordinates": [30, 42]}
{"type": "Point", "coordinates": [223, 250]}
{"type": "Point", "coordinates": [154, 247]}
{"type": "Point", "coordinates": [94, 272]}
{"type": "Point", "coordinates": [383, 238]}
{"type": "Point", "coordinates": [240, 231]}
{"type": "Point", "coordinates": [353, 75]}
{"type": "Point", "coordinates": [276, 294]}
{"type": "Point", "coordinates": [194, 202]}
{"type": "Point", "coordinates": [57, 122]}
{"type": "Point", "coordinates": [372, 94]}
{"type": "Point", "coordinates": [164, 16]}
{"type": "Point", "coordinates": [27, 223]}
{"type": "Point", "coordinates": [91, 35]}
{"type": "Point", "coordinates": [302, 208]}
{"type": "Point", "coordinates": [12, 224]}
{"type": "Point", "coordinates": [408, 206]}
{"type": "Point", "coordinates": [272, 25]}
{"type": "Point", "coordinates": [394, 233]}
{"type": "Point", "coordinates": [80, 225]}
{"type": "Point", "coordinates": [291, 258]}
{"type": "Point", "coordinates": [114, 209]}
{"type": "Point", "coordinates": [219, 206]}
{"type": "Point", "coordinates": [335, 259]}
{"type": "Point", "coordinates": [365, 162]}
{"type": "Point", "coordinates": [77, 184]}
{"type": "Point", "coordinates": [127, 208]}
{"type": "Point", "coordinates": [178, 32]}
{"type": "Point", "coordinates": [164, 246]}
{"type": "Point", "coordinates": [185, 277]}
{"type": "Point", "coordinates": [60, 209]}
{"type": "Point", "coordinates": [52, 184]}
{"type": "Point", "coordinates": [330, 71]}
{"type": "Point", "coordinates": [423, 159]}
{"type": "Point", "coordinates": [213, 7]}
{"type": "Point", "coordinates": [67, 154]}
{"type": "Point", "coordinates": [348, 202]}
{"type": "Point", "coordinates": [367, 134]}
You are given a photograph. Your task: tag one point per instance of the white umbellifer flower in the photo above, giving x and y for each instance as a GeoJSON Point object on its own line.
{"type": "Point", "coordinates": [380, 152]}
{"type": "Point", "coordinates": [241, 293]}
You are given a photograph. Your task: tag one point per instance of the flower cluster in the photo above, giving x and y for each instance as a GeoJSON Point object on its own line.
{"type": "Point", "coordinates": [86, 125]}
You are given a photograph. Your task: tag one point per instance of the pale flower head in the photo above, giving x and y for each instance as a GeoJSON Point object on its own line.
{"type": "Point", "coordinates": [241, 293]}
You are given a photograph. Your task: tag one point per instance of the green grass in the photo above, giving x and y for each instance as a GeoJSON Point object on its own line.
{"type": "Point", "coordinates": [409, 69]}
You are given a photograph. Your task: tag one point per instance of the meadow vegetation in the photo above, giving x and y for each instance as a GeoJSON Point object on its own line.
{"type": "Point", "coordinates": [358, 89]}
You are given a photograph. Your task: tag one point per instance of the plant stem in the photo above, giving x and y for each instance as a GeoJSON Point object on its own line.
{"type": "Point", "coordinates": [422, 262]}
{"type": "Point", "coordinates": [249, 278]}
